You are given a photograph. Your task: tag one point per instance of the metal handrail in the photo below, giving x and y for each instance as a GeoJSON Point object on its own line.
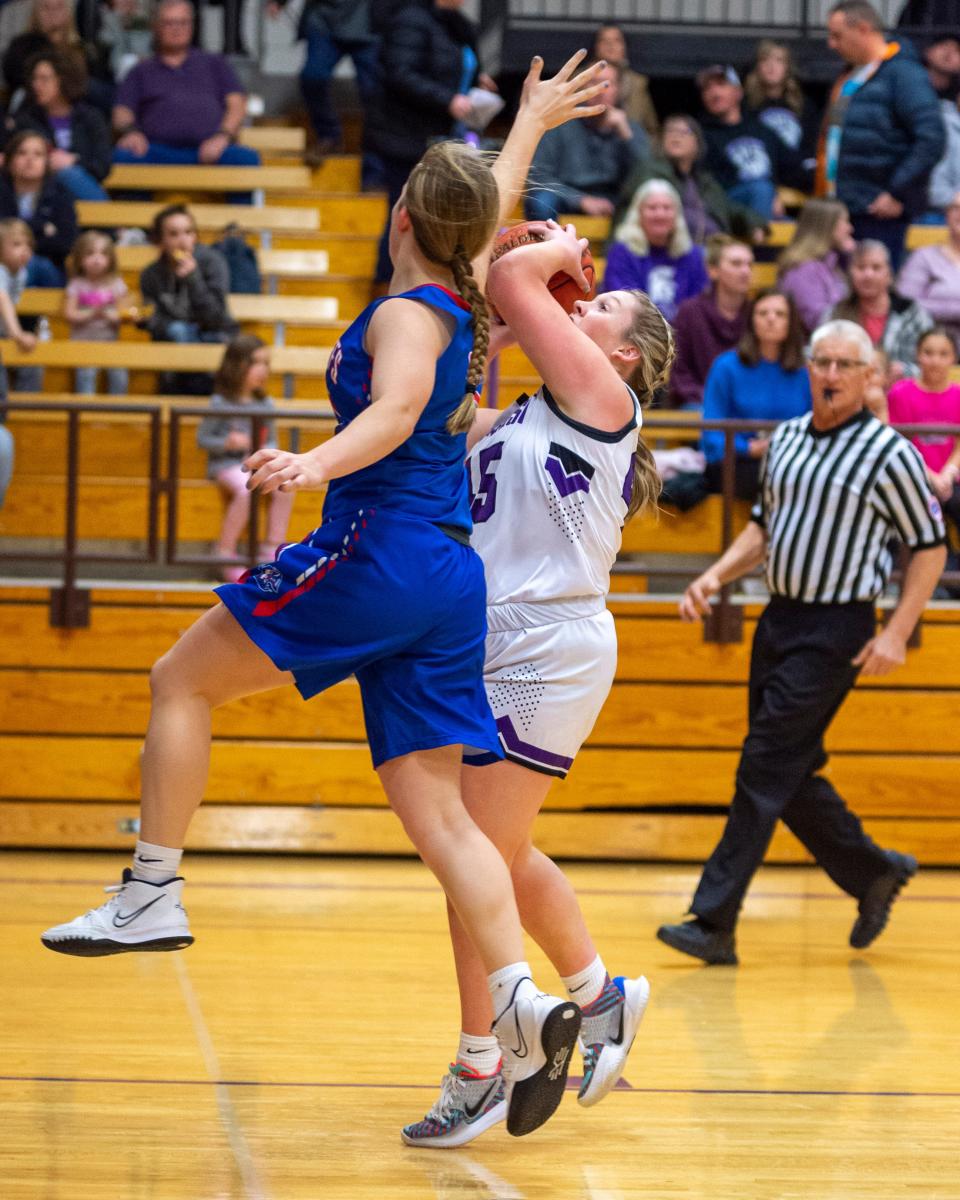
{"type": "Point", "coordinates": [69, 604]}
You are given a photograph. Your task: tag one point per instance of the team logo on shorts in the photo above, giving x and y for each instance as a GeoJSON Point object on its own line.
{"type": "Point", "coordinates": [267, 579]}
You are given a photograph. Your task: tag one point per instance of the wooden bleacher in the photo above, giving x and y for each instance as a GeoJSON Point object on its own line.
{"type": "Point", "coordinates": [213, 218]}
{"type": "Point", "coordinates": [179, 179]}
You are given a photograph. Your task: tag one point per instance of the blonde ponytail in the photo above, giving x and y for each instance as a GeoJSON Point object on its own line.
{"type": "Point", "coordinates": [651, 333]}
{"type": "Point", "coordinates": [462, 418]}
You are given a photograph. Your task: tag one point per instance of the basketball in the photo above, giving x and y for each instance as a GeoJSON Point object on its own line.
{"type": "Point", "coordinates": [565, 290]}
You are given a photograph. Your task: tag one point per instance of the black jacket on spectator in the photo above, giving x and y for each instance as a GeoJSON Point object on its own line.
{"type": "Point", "coordinates": [422, 63]}
{"type": "Point", "coordinates": [54, 220]}
{"type": "Point", "coordinates": [90, 136]}
{"type": "Point", "coordinates": [732, 149]}
{"type": "Point", "coordinates": [893, 137]}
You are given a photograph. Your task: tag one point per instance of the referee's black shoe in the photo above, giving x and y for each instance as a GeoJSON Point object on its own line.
{"type": "Point", "coordinates": [716, 947]}
{"type": "Point", "coordinates": [878, 899]}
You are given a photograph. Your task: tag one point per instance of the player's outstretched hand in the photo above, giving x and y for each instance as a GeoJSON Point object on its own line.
{"type": "Point", "coordinates": [280, 471]}
{"type": "Point", "coordinates": [564, 97]}
{"type": "Point", "coordinates": [695, 601]}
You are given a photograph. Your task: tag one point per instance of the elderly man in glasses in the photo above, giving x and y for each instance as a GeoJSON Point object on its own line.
{"type": "Point", "coordinates": [837, 486]}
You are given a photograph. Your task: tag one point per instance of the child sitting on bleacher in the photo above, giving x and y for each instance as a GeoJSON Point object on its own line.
{"type": "Point", "coordinates": [229, 440]}
{"type": "Point", "coordinates": [92, 304]}
{"type": "Point", "coordinates": [16, 250]}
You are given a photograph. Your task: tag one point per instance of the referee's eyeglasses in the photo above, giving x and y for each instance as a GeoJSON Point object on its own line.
{"type": "Point", "coordinates": [844, 365]}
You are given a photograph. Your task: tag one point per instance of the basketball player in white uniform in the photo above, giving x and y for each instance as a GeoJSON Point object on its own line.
{"type": "Point", "coordinates": [553, 480]}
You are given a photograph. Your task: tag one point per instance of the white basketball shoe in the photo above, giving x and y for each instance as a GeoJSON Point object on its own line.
{"type": "Point", "coordinates": [537, 1034]}
{"type": "Point", "coordinates": [138, 916]}
{"type": "Point", "coordinates": [610, 1024]}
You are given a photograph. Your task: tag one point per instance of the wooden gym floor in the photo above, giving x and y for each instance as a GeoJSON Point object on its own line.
{"type": "Point", "coordinates": [277, 1058]}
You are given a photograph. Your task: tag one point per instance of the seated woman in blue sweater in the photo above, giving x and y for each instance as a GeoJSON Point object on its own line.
{"type": "Point", "coordinates": [764, 378]}
{"type": "Point", "coordinates": [652, 250]}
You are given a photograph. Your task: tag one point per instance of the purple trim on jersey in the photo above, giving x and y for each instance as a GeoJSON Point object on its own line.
{"type": "Point", "coordinates": [566, 484]}
{"type": "Point", "coordinates": [627, 492]}
{"type": "Point", "coordinates": [512, 741]}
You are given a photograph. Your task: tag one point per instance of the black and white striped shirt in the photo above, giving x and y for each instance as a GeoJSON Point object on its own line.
{"type": "Point", "coordinates": [831, 502]}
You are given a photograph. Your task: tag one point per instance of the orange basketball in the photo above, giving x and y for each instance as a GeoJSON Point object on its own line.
{"type": "Point", "coordinates": [565, 290]}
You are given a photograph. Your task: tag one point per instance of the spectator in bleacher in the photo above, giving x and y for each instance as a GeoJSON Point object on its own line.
{"type": "Point", "coordinates": [651, 250]}
{"type": "Point", "coordinates": [707, 208]}
{"type": "Point", "coordinates": [181, 105]}
{"type": "Point", "coordinates": [29, 190]}
{"type": "Point", "coordinates": [813, 267]}
{"type": "Point", "coordinates": [931, 275]}
{"type": "Point", "coordinates": [333, 30]}
{"type": "Point", "coordinates": [53, 27]}
{"type": "Point", "coordinates": [773, 93]}
{"type": "Point", "coordinates": [883, 132]}
{"type": "Point", "coordinates": [16, 250]}
{"type": "Point", "coordinates": [633, 88]}
{"type": "Point", "coordinates": [428, 64]}
{"type": "Point", "coordinates": [187, 289]}
{"type": "Point", "coordinates": [707, 325]}
{"type": "Point", "coordinates": [241, 380]}
{"type": "Point", "coordinates": [764, 378]}
{"type": "Point", "coordinates": [933, 399]}
{"type": "Point", "coordinates": [79, 137]}
{"type": "Point", "coordinates": [92, 303]}
{"type": "Point", "coordinates": [942, 60]}
{"type": "Point", "coordinates": [123, 35]}
{"type": "Point", "coordinates": [945, 179]}
{"type": "Point", "coordinates": [893, 322]}
{"type": "Point", "coordinates": [6, 445]}
{"type": "Point", "coordinates": [582, 167]}
{"type": "Point", "coordinates": [748, 159]}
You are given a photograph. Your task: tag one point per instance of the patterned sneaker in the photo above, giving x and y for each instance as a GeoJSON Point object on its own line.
{"type": "Point", "coordinates": [609, 1026]}
{"type": "Point", "coordinates": [537, 1034]}
{"type": "Point", "coordinates": [469, 1104]}
{"type": "Point", "coordinates": [140, 916]}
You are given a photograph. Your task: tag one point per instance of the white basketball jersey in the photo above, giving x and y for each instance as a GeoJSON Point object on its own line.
{"type": "Point", "coordinates": [549, 497]}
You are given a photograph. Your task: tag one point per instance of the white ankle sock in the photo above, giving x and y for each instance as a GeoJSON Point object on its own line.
{"type": "Point", "coordinates": [480, 1053]}
{"type": "Point", "coordinates": [586, 985]}
{"type": "Point", "coordinates": [502, 984]}
{"type": "Point", "coordinates": [155, 864]}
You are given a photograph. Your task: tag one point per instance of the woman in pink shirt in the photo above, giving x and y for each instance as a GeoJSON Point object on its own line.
{"type": "Point", "coordinates": [933, 398]}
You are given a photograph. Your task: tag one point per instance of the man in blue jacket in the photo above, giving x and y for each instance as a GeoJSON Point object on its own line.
{"type": "Point", "coordinates": [883, 131]}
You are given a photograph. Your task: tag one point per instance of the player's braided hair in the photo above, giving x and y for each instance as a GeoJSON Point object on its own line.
{"type": "Point", "coordinates": [461, 418]}
{"type": "Point", "coordinates": [453, 202]}
{"type": "Point", "coordinates": [651, 333]}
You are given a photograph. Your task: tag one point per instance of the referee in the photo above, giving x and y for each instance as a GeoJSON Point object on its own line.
{"type": "Point", "coordinates": [836, 487]}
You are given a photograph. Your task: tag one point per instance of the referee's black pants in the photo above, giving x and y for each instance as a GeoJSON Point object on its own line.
{"type": "Point", "coordinates": [800, 674]}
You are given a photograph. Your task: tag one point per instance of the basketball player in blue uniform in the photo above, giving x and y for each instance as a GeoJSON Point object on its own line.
{"type": "Point", "coordinates": [387, 589]}
{"type": "Point", "coordinates": [553, 481]}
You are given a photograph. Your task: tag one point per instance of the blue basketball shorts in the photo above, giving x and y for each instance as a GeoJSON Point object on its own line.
{"type": "Point", "coordinates": [392, 600]}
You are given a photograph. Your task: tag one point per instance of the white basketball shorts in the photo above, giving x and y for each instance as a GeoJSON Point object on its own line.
{"type": "Point", "coordinates": [548, 670]}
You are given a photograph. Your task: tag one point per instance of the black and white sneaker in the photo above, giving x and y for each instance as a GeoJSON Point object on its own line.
{"type": "Point", "coordinates": [138, 916]}
{"type": "Point", "coordinates": [537, 1034]}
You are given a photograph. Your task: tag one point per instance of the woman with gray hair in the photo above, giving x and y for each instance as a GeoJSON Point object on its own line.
{"type": "Point", "coordinates": [652, 250]}
{"type": "Point", "coordinates": [893, 322]}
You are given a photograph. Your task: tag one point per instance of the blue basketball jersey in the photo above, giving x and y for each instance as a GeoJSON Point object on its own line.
{"type": "Point", "coordinates": [424, 477]}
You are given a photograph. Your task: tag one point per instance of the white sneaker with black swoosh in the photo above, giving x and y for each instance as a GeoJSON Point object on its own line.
{"type": "Point", "coordinates": [468, 1105]}
{"type": "Point", "coordinates": [537, 1034]}
{"type": "Point", "coordinates": [609, 1026]}
{"type": "Point", "coordinates": [138, 916]}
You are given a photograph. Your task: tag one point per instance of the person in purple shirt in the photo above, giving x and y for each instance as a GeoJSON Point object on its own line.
{"type": "Point", "coordinates": [712, 322]}
{"type": "Point", "coordinates": [813, 268]}
{"type": "Point", "coordinates": [182, 105]}
{"type": "Point", "coordinates": [652, 250]}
